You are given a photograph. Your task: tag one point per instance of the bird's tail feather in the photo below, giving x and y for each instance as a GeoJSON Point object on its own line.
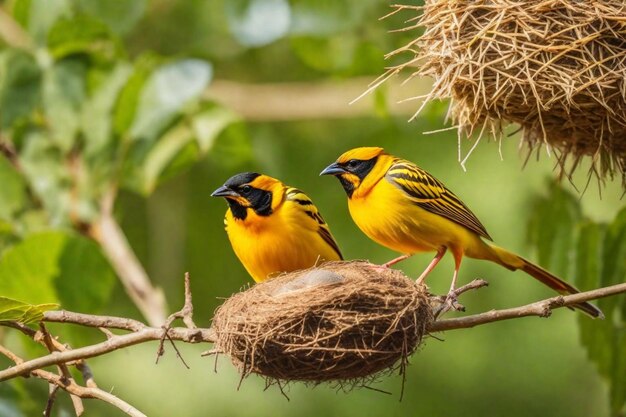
{"type": "Point", "coordinates": [512, 261]}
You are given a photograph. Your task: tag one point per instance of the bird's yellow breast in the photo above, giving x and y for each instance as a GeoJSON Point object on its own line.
{"type": "Point", "coordinates": [286, 240]}
{"type": "Point", "coordinates": [386, 215]}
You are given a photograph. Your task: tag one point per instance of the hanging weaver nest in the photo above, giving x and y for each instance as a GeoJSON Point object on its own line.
{"type": "Point", "coordinates": [342, 322]}
{"type": "Point", "coordinates": [555, 67]}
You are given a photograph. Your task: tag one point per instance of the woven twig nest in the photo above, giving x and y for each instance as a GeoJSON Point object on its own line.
{"type": "Point", "coordinates": [343, 322]}
{"type": "Point", "coordinates": [555, 67]}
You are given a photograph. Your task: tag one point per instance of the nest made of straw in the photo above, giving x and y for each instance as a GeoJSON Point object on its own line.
{"type": "Point", "coordinates": [555, 67]}
{"type": "Point", "coordinates": [338, 322]}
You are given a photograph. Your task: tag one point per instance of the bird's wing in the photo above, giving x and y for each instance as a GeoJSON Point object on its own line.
{"type": "Point", "coordinates": [306, 205]}
{"type": "Point", "coordinates": [430, 194]}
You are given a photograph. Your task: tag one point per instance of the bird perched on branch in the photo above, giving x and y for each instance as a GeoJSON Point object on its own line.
{"type": "Point", "coordinates": [274, 228]}
{"type": "Point", "coordinates": [404, 208]}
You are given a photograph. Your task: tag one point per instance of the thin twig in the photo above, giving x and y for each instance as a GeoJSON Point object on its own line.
{"type": "Point", "coordinates": [446, 306]}
{"type": "Point", "coordinates": [90, 320]}
{"type": "Point", "coordinates": [540, 308]}
{"type": "Point", "coordinates": [75, 389]}
{"type": "Point", "coordinates": [47, 340]}
{"type": "Point", "coordinates": [186, 314]}
{"type": "Point", "coordinates": [52, 395]}
{"type": "Point", "coordinates": [116, 342]}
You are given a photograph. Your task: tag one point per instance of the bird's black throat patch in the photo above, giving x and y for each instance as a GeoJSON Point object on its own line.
{"type": "Point", "coordinates": [360, 170]}
{"type": "Point", "coordinates": [347, 185]}
{"type": "Point", "coordinates": [239, 211]}
{"type": "Point", "coordinates": [260, 201]}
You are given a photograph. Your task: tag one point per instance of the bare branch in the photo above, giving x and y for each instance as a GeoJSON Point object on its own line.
{"type": "Point", "coordinates": [322, 99]}
{"type": "Point", "coordinates": [186, 314]}
{"type": "Point", "coordinates": [198, 335]}
{"type": "Point", "coordinates": [148, 299]}
{"type": "Point", "coordinates": [114, 343]}
{"type": "Point", "coordinates": [47, 340]}
{"type": "Point", "coordinates": [52, 395]}
{"type": "Point", "coordinates": [540, 308]}
{"type": "Point", "coordinates": [90, 320]}
{"type": "Point", "coordinates": [73, 388]}
{"type": "Point", "coordinates": [62, 356]}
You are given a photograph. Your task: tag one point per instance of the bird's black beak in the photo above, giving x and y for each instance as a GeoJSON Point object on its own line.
{"type": "Point", "coordinates": [333, 169]}
{"type": "Point", "coordinates": [224, 191]}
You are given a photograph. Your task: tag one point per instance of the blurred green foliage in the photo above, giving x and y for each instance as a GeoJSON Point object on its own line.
{"type": "Point", "coordinates": [110, 95]}
{"type": "Point", "coordinates": [594, 253]}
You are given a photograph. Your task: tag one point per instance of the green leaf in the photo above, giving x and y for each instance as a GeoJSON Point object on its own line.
{"type": "Point", "coordinates": [165, 94]}
{"type": "Point", "coordinates": [126, 106]}
{"type": "Point", "coordinates": [81, 35]}
{"type": "Point", "coordinates": [601, 261]}
{"type": "Point", "coordinates": [98, 112]}
{"type": "Point", "coordinates": [53, 267]}
{"type": "Point", "coordinates": [42, 15]}
{"type": "Point", "coordinates": [48, 175]}
{"type": "Point", "coordinates": [13, 310]}
{"type": "Point", "coordinates": [182, 145]}
{"type": "Point", "coordinates": [20, 85]}
{"type": "Point", "coordinates": [12, 190]}
{"type": "Point", "coordinates": [119, 16]}
{"type": "Point", "coordinates": [618, 377]}
{"type": "Point", "coordinates": [593, 333]}
{"type": "Point", "coordinates": [21, 11]}
{"type": "Point", "coordinates": [85, 278]}
{"type": "Point", "coordinates": [589, 249]}
{"type": "Point", "coordinates": [27, 270]}
{"type": "Point", "coordinates": [552, 228]}
{"type": "Point", "coordinates": [63, 95]}
{"type": "Point", "coordinates": [615, 253]}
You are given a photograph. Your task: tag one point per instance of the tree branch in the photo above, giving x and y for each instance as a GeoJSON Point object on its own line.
{"type": "Point", "coordinates": [115, 342]}
{"type": "Point", "coordinates": [140, 333]}
{"type": "Point", "coordinates": [540, 308]}
{"type": "Point", "coordinates": [12, 33]}
{"type": "Point", "coordinates": [314, 100]}
{"type": "Point", "coordinates": [73, 388]}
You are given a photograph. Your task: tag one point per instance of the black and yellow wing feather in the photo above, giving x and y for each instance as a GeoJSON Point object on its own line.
{"type": "Point", "coordinates": [307, 206]}
{"type": "Point", "coordinates": [430, 194]}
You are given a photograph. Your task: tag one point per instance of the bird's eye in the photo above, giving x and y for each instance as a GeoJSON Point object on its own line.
{"type": "Point", "coordinates": [245, 189]}
{"type": "Point", "coordinates": [353, 163]}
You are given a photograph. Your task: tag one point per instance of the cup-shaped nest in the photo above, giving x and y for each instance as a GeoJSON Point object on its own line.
{"type": "Point", "coordinates": [342, 321]}
{"type": "Point", "coordinates": [555, 67]}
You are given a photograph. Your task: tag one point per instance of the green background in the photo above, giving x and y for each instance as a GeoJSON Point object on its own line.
{"type": "Point", "coordinates": [523, 367]}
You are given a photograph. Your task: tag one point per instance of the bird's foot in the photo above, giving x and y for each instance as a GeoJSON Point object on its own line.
{"type": "Point", "coordinates": [452, 301]}
{"type": "Point", "coordinates": [448, 302]}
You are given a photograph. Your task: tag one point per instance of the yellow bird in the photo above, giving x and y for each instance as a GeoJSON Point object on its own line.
{"type": "Point", "coordinates": [404, 208]}
{"type": "Point", "coordinates": [274, 228]}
